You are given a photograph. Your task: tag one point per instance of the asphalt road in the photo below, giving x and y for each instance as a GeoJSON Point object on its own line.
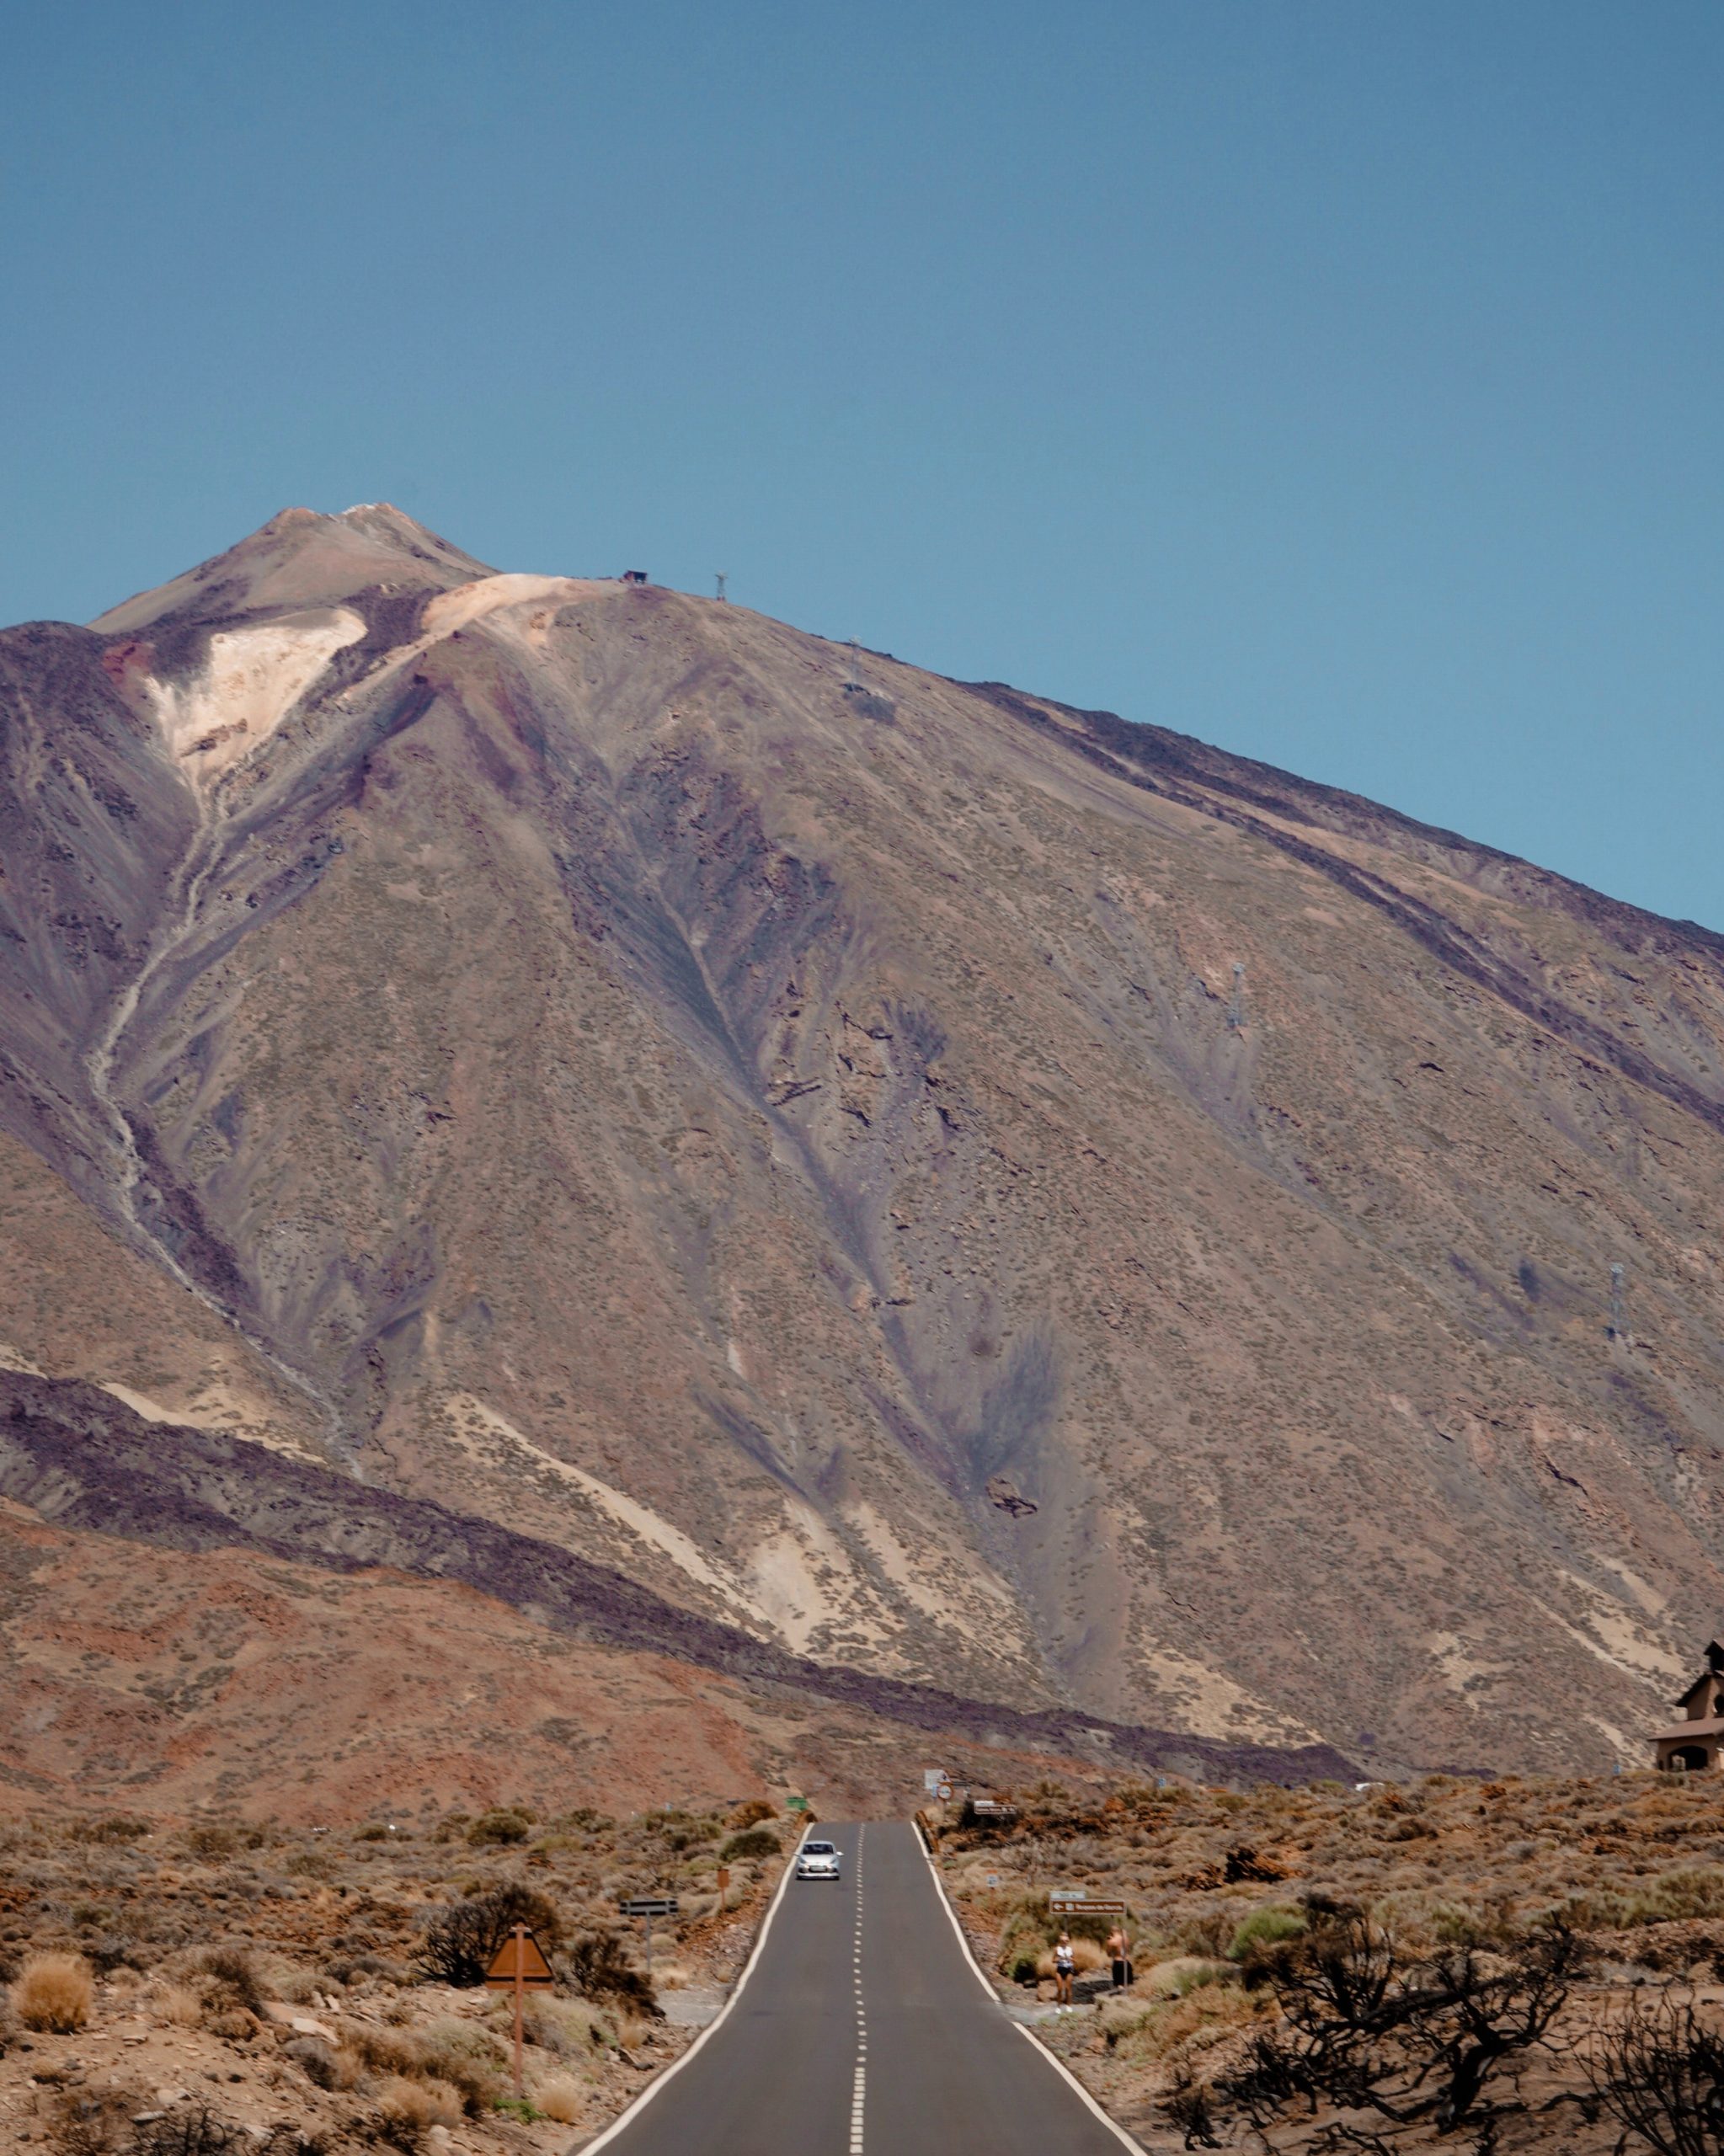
{"type": "Point", "coordinates": [863, 2031]}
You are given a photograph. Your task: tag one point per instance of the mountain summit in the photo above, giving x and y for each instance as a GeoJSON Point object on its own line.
{"type": "Point", "coordinates": [301, 558]}
{"type": "Point", "coordinates": [938, 1182]}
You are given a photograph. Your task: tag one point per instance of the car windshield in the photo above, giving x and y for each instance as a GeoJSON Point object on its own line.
{"type": "Point", "coordinates": [818, 1849]}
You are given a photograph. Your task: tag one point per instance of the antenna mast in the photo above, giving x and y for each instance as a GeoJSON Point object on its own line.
{"type": "Point", "coordinates": [723, 580]}
{"type": "Point", "coordinates": [1619, 1302]}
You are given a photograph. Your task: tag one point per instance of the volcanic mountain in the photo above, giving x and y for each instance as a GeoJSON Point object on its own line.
{"type": "Point", "coordinates": [934, 1183]}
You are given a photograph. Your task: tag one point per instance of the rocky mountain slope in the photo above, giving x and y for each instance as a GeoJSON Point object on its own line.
{"type": "Point", "coordinates": [931, 1180]}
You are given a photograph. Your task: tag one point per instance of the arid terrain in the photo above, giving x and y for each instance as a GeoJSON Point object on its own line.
{"type": "Point", "coordinates": [1495, 1944]}
{"type": "Point", "coordinates": [291, 1989]}
{"type": "Point", "coordinates": [1289, 1930]}
{"type": "Point", "coordinates": [745, 1152]}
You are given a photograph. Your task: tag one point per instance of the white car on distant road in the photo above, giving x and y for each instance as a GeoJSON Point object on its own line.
{"type": "Point", "coordinates": [818, 1860]}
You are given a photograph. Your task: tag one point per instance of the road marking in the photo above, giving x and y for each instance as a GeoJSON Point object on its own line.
{"type": "Point", "coordinates": [1029, 2037]}
{"type": "Point", "coordinates": [713, 2027]}
{"type": "Point", "coordinates": [859, 2082]}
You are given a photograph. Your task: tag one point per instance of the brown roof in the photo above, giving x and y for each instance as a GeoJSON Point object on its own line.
{"type": "Point", "coordinates": [1704, 1727]}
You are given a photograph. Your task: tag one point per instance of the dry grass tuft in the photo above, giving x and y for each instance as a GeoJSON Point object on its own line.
{"type": "Point", "coordinates": [177, 2005]}
{"type": "Point", "coordinates": [569, 2027]}
{"type": "Point", "coordinates": [419, 2104]}
{"type": "Point", "coordinates": [408, 2111]}
{"type": "Point", "coordinates": [559, 2097]}
{"type": "Point", "coordinates": [54, 1992]}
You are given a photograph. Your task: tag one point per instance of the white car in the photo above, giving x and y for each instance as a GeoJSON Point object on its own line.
{"type": "Point", "coordinates": [818, 1860]}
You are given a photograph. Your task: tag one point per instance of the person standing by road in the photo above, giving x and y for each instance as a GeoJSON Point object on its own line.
{"type": "Point", "coordinates": [1064, 1962]}
{"type": "Point", "coordinates": [1119, 1954]}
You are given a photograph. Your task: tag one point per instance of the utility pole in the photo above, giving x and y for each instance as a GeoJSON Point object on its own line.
{"type": "Point", "coordinates": [1236, 1004]}
{"type": "Point", "coordinates": [519, 1990]}
{"type": "Point", "coordinates": [722, 581]}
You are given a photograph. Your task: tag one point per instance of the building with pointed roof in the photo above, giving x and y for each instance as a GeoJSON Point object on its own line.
{"type": "Point", "coordinates": [1693, 1743]}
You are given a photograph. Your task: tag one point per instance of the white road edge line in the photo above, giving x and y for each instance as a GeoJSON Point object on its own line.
{"type": "Point", "coordinates": [628, 2117]}
{"type": "Point", "coordinates": [1029, 2036]}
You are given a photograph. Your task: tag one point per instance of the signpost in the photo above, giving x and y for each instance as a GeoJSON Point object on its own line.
{"type": "Point", "coordinates": [646, 1906]}
{"type": "Point", "coordinates": [1073, 1902]}
{"type": "Point", "coordinates": [518, 1962]}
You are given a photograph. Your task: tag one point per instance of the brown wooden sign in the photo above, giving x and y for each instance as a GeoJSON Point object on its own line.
{"type": "Point", "coordinates": [520, 1958]}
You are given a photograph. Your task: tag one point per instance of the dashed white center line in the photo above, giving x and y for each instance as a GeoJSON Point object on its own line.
{"type": "Point", "coordinates": [859, 2084]}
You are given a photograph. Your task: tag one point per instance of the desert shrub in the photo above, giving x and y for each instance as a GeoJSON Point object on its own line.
{"type": "Point", "coordinates": [1023, 1969]}
{"type": "Point", "coordinates": [282, 1978]}
{"type": "Point", "coordinates": [111, 1950]}
{"type": "Point", "coordinates": [1688, 1892]}
{"type": "Point", "coordinates": [116, 1827]}
{"type": "Point", "coordinates": [752, 1841]}
{"type": "Point", "coordinates": [682, 1831]}
{"type": "Point", "coordinates": [754, 1813]}
{"type": "Point", "coordinates": [407, 2109]}
{"type": "Point", "coordinates": [502, 1825]}
{"type": "Point", "coordinates": [176, 2003]}
{"type": "Point", "coordinates": [232, 1980]}
{"type": "Point", "coordinates": [1022, 1937]}
{"type": "Point", "coordinates": [559, 2097]}
{"type": "Point", "coordinates": [1434, 2042]}
{"type": "Point", "coordinates": [1209, 1935]}
{"type": "Point", "coordinates": [83, 2123]}
{"type": "Point", "coordinates": [466, 2058]}
{"type": "Point", "coordinates": [385, 2051]}
{"type": "Point", "coordinates": [212, 1841]}
{"type": "Point", "coordinates": [54, 1992]}
{"type": "Point", "coordinates": [1168, 2027]}
{"type": "Point", "coordinates": [582, 1820]}
{"type": "Point", "coordinates": [197, 2132]}
{"type": "Point", "coordinates": [1494, 1925]}
{"type": "Point", "coordinates": [569, 2027]}
{"type": "Point", "coordinates": [1263, 1928]}
{"type": "Point", "coordinates": [318, 2061]}
{"type": "Point", "coordinates": [1659, 2070]}
{"type": "Point", "coordinates": [1692, 1891]}
{"type": "Point", "coordinates": [461, 1941]}
{"type": "Point", "coordinates": [597, 1968]}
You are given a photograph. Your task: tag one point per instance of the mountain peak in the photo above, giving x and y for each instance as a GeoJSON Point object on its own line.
{"type": "Point", "coordinates": [305, 557]}
{"type": "Point", "coordinates": [962, 1186]}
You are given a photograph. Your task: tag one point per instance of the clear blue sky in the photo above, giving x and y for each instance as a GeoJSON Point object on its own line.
{"type": "Point", "coordinates": [1338, 380]}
